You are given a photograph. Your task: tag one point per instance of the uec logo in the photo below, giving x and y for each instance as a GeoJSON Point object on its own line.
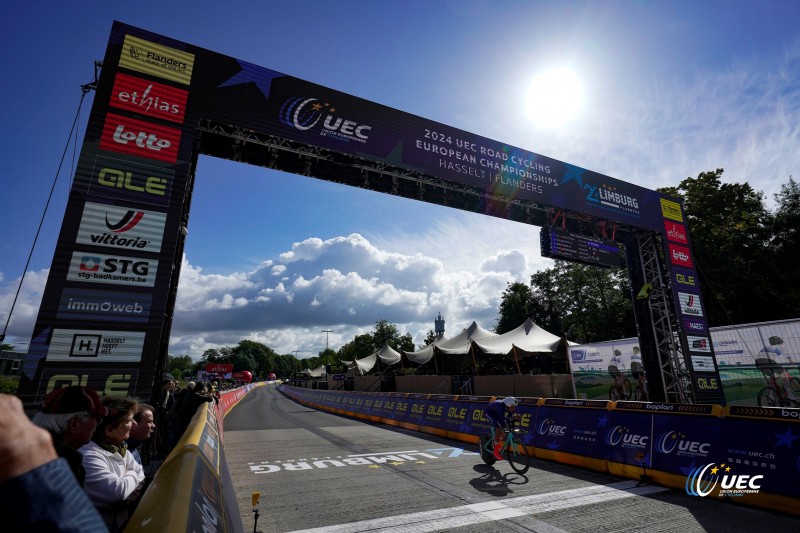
{"type": "Point", "coordinates": [622, 435]}
{"type": "Point", "coordinates": [667, 442]}
{"type": "Point", "coordinates": [548, 427]}
{"type": "Point", "coordinates": [701, 481]}
{"type": "Point", "coordinates": [304, 113]}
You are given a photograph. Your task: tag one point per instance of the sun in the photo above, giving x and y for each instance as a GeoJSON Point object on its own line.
{"type": "Point", "coordinates": [554, 98]}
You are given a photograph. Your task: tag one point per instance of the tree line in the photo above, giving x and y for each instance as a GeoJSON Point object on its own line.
{"type": "Point", "coordinates": [746, 255]}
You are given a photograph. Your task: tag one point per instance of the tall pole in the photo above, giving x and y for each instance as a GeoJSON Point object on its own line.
{"type": "Point", "coordinates": [294, 364]}
{"type": "Point", "coordinates": [326, 332]}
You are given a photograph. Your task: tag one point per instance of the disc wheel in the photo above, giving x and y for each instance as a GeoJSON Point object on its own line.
{"type": "Point", "coordinates": [487, 449]}
{"type": "Point", "coordinates": [518, 458]}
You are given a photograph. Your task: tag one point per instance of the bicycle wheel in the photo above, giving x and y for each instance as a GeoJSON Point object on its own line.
{"type": "Point", "coordinates": [794, 384]}
{"type": "Point", "coordinates": [613, 395]}
{"type": "Point", "coordinates": [626, 388]}
{"type": "Point", "coordinates": [768, 398]}
{"type": "Point", "coordinates": [639, 394]}
{"type": "Point", "coordinates": [517, 455]}
{"type": "Point", "coordinates": [487, 449]}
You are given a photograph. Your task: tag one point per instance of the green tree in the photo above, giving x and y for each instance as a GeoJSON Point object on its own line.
{"type": "Point", "coordinates": [430, 338]}
{"type": "Point", "coordinates": [785, 248]}
{"type": "Point", "coordinates": [180, 365]}
{"type": "Point", "coordinates": [515, 307]}
{"type": "Point", "coordinates": [730, 229]}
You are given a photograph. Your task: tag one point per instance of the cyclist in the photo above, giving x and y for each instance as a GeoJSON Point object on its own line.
{"type": "Point", "coordinates": [501, 413]}
{"type": "Point", "coordinates": [614, 371]}
{"type": "Point", "coordinates": [772, 368]}
{"type": "Point", "coordinates": [637, 371]}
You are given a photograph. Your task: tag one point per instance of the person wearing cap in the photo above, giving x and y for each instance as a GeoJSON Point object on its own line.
{"type": "Point", "coordinates": [71, 415]}
{"type": "Point", "coordinates": [501, 414]}
{"type": "Point", "coordinates": [114, 480]}
{"type": "Point", "coordinates": [38, 491]}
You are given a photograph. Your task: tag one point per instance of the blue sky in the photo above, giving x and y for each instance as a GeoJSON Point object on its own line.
{"type": "Point", "coordinates": [666, 90]}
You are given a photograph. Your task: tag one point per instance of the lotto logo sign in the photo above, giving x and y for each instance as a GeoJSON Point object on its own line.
{"type": "Point", "coordinates": [148, 98]}
{"type": "Point", "coordinates": [144, 139]}
{"type": "Point", "coordinates": [676, 232]}
{"type": "Point", "coordinates": [680, 256]}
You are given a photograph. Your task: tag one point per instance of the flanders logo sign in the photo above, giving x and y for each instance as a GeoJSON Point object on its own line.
{"type": "Point", "coordinates": [671, 210]}
{"type": "Point", "coordinates": [121, 228]}
{"type": "Point", "coordinates": [156, 60]}
{"type": "Point", "coordinates": [136, 137]}
{"type": "Point", "coordinates": [702, 481]}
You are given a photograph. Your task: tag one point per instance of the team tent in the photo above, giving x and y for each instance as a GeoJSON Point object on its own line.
{"type": "Point", "coordinates": [453, 352]}
{"type": "Point", "coordinates": [527, 340]}
{"type": "Point", "coordinates": [387, 355]}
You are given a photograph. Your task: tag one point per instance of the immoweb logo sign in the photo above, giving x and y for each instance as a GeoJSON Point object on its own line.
{"type": "Point", "coordinates": [702, 481]}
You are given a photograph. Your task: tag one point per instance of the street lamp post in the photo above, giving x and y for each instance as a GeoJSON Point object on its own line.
{"type": "Point", "coordinates": [326, 332]}
{"type": "Point", "coordinates": [294, 365]}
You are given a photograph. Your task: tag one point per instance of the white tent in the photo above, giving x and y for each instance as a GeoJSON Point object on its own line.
{"type": "Point", "coordinates": [460, 344]}
{"type": "Point", "coordinates": [386, 354]}
{"type": "Point", "coordinates": [528, 337]}
{"type": "Point", "coordinates": [316, 373]}
{"type": "Point", "coordinates": [424, 355]}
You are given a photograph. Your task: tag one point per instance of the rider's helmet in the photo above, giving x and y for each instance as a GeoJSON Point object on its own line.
{"type": "Point", "coordinates": [510, 401]}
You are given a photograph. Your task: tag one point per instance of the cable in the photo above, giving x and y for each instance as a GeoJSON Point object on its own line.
{"type": "Point", "coordinates": [41, 221]}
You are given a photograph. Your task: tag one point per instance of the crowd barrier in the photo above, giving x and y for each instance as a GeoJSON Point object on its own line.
{"type": "Point", "coordinates": [747, 455]}
{"type": "Point", "coordinates": [192, 489]}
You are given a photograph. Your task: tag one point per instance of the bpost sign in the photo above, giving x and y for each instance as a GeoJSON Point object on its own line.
{"type": "Point", "coordinates": [130, 198]}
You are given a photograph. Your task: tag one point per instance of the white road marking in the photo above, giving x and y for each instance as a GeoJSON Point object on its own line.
{"type": "Point", "coordinates": [468, 515]}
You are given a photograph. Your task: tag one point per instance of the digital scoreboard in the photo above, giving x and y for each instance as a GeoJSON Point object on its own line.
{"type": "Point", "coordinates": [562, 244]}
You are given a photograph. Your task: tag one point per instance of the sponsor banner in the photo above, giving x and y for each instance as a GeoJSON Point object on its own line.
{"type": "Point", "coordinates": [106, 381]}
{"type": "Point", "coordinates": [456, 418]}
{"type": "Point", "coordinates": [417, 404]}
{"type": "Point", "coordinates": [121, 228]}
{"type": "Point", "coordinates": [676, 232]}
{"type": "Point", "coordinates": [571, 430]}
{"type": "Point", "coordinates": [209, 444]}
{"type": "Point", "coordinates": [695, 325]}
{"type": "Point", "coordinates": [699, 344]}
{"type": "Point", "coordinates": [88, 346]}
{"type": "Point", "coordinates": [436, 412]}
{"type": "Point", "coordinates": [205, 509]}
{"type": "Point", "coordinates": [112, 269]}
{"type": "Point", "coordinates": [219, 368]}
{"type": "Point", "coordinates": [627, 438]}
{"type": "Point", "coordinates": [682, 442]}
{"type": "Point", "coordinates": [671, 210]}
{"type": "Point", "coordinates": [702, 363]}
{"type": "Point", "coordinates": [148, 98]}
{"type": "Point", "coordinates": [157, 60]}
{"type": "Point", "coordinates": [680, 256]}
{"type": "Point", "coordinates": [129, 180]}
{"type": "Point", "coordinates": [707, 382]}
{"type": "Point", "coordinates": [689, 304]}
{"type": "Point", "coordinates": [104, 306]}
{"type": "Point", "coordinates": [764, 444]}
{"type": "Point", "coordinates": [685, 279]}
{"type": "Point", "coordinates": [137, 137]}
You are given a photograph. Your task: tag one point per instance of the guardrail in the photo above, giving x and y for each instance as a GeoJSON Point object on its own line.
{"type": "Point", "coordinates": [192, 490]}
{"type": "Point", "coordinates": [747, 455]}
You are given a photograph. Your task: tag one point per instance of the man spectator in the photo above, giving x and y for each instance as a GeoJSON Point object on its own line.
{"type": "Point", "coordinates": [71, 414]}
{"type": "Point", "coordinates": [37, 490]}
{"type": "Point", "coordinates": [145, 426]}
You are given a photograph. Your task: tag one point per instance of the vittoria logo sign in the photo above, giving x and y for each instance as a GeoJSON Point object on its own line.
{"type": "Point", "coordinates": [121, 228]}
{"type": "Point", "coordinates": [156, 59]}
{"type": "Point", "coordinates": [148, 98]}
{"type": "Point", "coordinates": [136, 137]}
{"type": "Point", "coordinates": [127, 180]}
{"type": "Point", "coordinates": [690, 304]}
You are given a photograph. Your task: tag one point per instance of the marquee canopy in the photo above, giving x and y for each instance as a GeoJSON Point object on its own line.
{"type": "Point", "coordinates": [386, 354]}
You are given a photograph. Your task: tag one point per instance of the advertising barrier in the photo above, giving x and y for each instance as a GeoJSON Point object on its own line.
{"type": "Point", "coordinates": [746, 455]}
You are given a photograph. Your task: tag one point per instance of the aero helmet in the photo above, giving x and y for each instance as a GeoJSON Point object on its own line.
{"type": "Point", "coordinates": [510, 401]}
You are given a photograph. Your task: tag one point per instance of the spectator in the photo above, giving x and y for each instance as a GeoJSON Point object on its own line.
{"type": "Point", "coordinates": [145, 426]}
{"type": "Point", "coordinates": [71, 414]}
{"type": "Point", "coordinates": [185, 410]}
{"type": "Point", "coordinates": [37, 490]}
{"type": "Point", "coordinates": [114, 480]}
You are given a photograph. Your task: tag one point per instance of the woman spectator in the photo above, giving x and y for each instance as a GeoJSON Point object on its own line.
{"type": "Point", "coordinates": [113, 478]}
